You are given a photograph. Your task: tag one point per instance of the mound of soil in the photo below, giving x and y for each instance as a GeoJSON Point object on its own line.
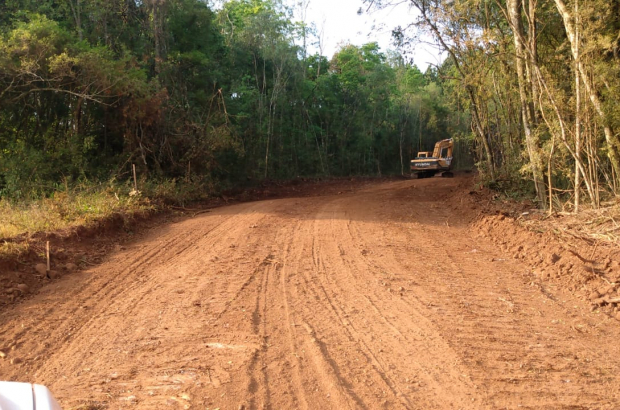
{"type": "Point", "coordinates": [23, 273]}
{"type": "Point", "coordinates": [586, 267]}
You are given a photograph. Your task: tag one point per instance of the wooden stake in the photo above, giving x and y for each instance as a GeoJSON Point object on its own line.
{"type": "Point", "coordinates": [47, 254]}
{"type": "Point", "coordinates": [135, 180]}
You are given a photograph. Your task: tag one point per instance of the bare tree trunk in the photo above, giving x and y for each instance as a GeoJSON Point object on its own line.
{"type": "Point", "coordinates": [420, 124]}
{"type": "Point", "coordinates": [613, 144]}
{"type": "Point", "coordinates": [549, 169]}
{"type": "Point", "coordinates": [157, 19]}
{"type": "Point", "coordinates": [533, 58]}
{"type": "Point", "coordinates": [481, 132]}
{"type": "Point", "coordinates": [77, 17]}
{"type": "Point", "coordinates": [588, 181]}
{"type": "Point", "coordinates": [577, 117]}
{"type": "Point", "coordinates": [278, 85]}
{"type": "Point", "coordinates": [531, 140]}
{"type": "Point", "coordinates": [401, 139]}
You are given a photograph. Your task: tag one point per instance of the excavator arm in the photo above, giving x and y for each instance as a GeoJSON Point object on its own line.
{"type": "Point", "coordinates": [443, 149]}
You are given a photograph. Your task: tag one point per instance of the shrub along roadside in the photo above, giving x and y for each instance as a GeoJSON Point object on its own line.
{"type": "Point", "coordinates": [86, 204]}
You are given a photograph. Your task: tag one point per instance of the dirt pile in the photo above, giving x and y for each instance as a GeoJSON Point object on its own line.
{"type": "Point", "coordinates": [25, 271]}
{"type": "Point", "coordinates": [587, 267]}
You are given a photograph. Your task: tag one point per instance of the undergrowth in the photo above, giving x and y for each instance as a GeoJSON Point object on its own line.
{"type": "Point", "coordinates": [84, 203]}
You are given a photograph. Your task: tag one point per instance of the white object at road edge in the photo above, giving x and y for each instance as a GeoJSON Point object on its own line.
{"type": "Point", "coordinates": [26, 396]}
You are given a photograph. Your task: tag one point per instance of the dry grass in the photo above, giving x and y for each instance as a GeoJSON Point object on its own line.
{"type": "Point", "coordinates": [599, 224]}
{"type": "Point", "coordinates": [591, 225]}
{"type": "Point", "coordinates": [13, 249]}
{"type": "Point", "coordinates": [84, 204]}
{"type": "Point", "coordinates": [64, 210]}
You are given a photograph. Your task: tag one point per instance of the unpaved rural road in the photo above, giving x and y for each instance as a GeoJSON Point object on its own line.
{"type": "Point", "coordinates": [379, 297]}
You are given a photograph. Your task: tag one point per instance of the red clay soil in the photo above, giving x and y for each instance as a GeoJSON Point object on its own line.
{"type": "Point", "coordinates": [383, 295]}
{"type": "Point", "coordinates": [81, 247]}
{"type": "Point", "coordinates": [558, 256]}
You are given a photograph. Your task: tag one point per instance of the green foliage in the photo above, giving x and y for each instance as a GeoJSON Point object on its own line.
{"type": "Point", "coordinates": [198, 98]}
{"type": "Point", "coordinates": [538, 82]}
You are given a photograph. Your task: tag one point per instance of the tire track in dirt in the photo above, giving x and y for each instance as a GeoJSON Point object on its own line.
{"type": "Point", "coordinates": [374, 299]}
{"type": "Point", "coordinates": [355, 336]}
{"type": "Point", "coordinates": [393, 367]}
{"type": "Point", "coordinates": [124, 293]}
{"type": "Point", "coordinates": [505, 333]}
{"type": "Point", "coordinates": [258, 377]}
{"type": "Point", "coordinates": [315, 357]}
{"type": "Point", "coordinates": [303, 360]}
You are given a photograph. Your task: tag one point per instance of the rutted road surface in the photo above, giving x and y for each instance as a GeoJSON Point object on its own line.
{"type": "Point", "coordinates": [375, 298]}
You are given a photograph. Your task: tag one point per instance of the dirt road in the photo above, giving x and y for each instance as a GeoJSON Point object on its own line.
{"type": "Point", "coordinates": [378, 297]}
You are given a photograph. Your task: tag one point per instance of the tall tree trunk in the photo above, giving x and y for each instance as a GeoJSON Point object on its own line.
{"type": "Point", "coordinates": [577, 118]}
{"type": "Point", "coordinates": [613, 144]}
{"type": "Point", "coordinates": [532, 42]}
{"type": "Point", "coordinates": [531, 139]}
{"type": "Point", "coordinates": [157, 22]}
{"type": "Point", "coordinates": [77, 17]}
{"type": "Point", "coordinates": [401, 138]}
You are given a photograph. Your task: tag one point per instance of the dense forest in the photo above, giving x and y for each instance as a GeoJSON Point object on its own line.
{"type": "Point", "coordinates": [541, 80]}
{"type": "Point", "coordinates": [202, 96]}
{"type": "Point", "coordinates": [214, 97]}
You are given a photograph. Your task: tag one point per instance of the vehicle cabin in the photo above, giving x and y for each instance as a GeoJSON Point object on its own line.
{"type": "Point", "coordinates": [424, 154]}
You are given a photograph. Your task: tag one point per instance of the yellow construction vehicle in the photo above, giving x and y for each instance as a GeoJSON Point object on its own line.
{"type": "Point", "coordinates": [427, 164]}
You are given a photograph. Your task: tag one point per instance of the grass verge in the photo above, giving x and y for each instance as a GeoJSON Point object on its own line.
{"type": "Point", "coordinates": [63, 210]}
{"type": "Point", "coordinates": [86, 204]}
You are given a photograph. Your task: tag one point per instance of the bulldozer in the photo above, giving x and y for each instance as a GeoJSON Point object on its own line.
{"type": "Point", "coordinates": [426, 164]}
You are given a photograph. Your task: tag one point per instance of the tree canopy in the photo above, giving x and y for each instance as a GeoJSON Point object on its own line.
{"type": "Point", "coordinates": [540, 81]}
{"type": "Point", "coordinates": [201, 95]}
